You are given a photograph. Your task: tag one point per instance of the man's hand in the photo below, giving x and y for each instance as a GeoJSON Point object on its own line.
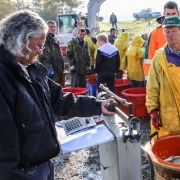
{"type": "Point", "coordinates": [73, 69]}
{"type": "Point", "coordinates": [119, 74]}
{"type": "Point", "coordinates": [104, 107]}
{"type": "Point", "coordinates": [154, 114]}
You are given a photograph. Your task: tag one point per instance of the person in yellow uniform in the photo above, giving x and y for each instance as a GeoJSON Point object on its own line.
{"type": "Point", "coordinates": [163, 83]}
{"type": "Point", "coordinates": [121, 43]}
{"type": "Point", "coordinates": [135, 58]}
{"type": "Point", "coordinates": [91, 46]}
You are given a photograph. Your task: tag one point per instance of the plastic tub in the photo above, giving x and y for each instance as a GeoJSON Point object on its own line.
{"type": "Point", "coordinates": [63, 78]}
{"type": "Point", "coordinates": [137, 96]}
{"type": "Point", "coordinates": [120, 85]}
{"type": "Point", "coordinates": [161, 149]}
{"type": "Point", "coordinates": [91, 79]}
{"type": "Point", "coordinates": [92, 89]}
{"type": "Point", "coordinates": [76, 90]}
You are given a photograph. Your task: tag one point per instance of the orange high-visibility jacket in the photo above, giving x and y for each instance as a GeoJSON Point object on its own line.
{"type": "Point", "coordinates": [156, 40]}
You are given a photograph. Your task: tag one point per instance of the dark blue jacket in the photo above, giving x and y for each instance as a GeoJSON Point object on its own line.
{"type": "Point", "coordinates": [27, 131]}
{"type": "Point", "coordinates": [106, 64]}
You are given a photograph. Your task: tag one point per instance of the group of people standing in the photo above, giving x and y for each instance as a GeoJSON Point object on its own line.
{"type": "Point", "coordinates": [113, 54]}
{"type": "Point", "coordinates": [162, 73]}
{"type": "Point", "coordinates": [161, 54]}
{"type": "Point", "coordinates": [131, 58]}
{"type": "Point", "coordinates": [108, 58]}
{"type": "Point", "coordinates": [85, 56]}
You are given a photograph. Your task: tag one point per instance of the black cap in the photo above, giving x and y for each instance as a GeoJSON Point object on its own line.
{"type": "Point", "coordinates": [160, 19]}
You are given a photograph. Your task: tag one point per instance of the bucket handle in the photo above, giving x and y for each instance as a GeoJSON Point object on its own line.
{"type": "Point", "coordinates": [152, 135]}
{"type": "Point", "coordinates": [150, 161]}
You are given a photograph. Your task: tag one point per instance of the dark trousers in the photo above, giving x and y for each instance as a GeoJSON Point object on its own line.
{"type": "Point", "coordinates": [44, 171]}
{"type": "Point", "coordinates": [105, 78]}
{"type": "Point", "coordinates": [114, 24]}
{"type": "Point", "coordinates": [137, 83]}
{"type": "Point", "coordinates": [78, 80]}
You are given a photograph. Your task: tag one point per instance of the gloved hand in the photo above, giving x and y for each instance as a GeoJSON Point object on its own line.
{"type": "Point", "coordinates": [88, 71]}
{"type": "Point", "coordinates": [92, 69]}
{"type": "Point", "coordinates": [154, 114]}
{"type": "Point", "coordinates": [119, 74]}
{"type": "Point", "coordinates": [50, 73]}
{"type": "Point", "coordinates": [73, 69]}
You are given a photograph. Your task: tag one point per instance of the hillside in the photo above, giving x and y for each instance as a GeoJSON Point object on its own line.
{"type": "Point", "coordinates": [133, 27]}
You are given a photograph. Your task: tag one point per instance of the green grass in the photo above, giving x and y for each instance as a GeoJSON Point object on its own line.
{"type": "Point", "coordinates": [133, 27]}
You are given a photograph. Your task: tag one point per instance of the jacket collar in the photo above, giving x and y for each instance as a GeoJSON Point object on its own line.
{"type": "Point", "coordinates": [9, 61]}
{"type": "Point", "coordinates": [76, 40]}
{"type": "Point", "coordinates": [160, 56]}
{"type": "Point", "coordinates": [52, 38]}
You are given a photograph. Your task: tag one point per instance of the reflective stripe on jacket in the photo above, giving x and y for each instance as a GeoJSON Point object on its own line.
{"type": "Point", "coordinates": [146, 66]}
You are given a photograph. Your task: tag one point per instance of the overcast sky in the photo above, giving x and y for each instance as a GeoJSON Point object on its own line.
{"type": "Point", "coordinates": [124, 8]}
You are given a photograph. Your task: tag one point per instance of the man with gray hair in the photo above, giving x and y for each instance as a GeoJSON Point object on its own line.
{"type": "Point", "coordinates": [52, 56]}
{"type": "Point", "coordinates": [28, 100]}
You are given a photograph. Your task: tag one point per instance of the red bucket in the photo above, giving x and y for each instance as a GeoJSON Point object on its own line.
{"type": "Point", "coordinates": [76, 90]}
{"type": "Point", "coordinates": [161, 149]}
{"type": "Point", "coordinates": [137, 96]}
{"type": "Point", "coordinates": [91, 79]}
{"type": "Point", "coordinates": [63, 78]}
{"type": "Point", "coordinates": [120, 85]}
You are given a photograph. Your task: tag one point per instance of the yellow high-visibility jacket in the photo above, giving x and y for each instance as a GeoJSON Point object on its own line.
{"type": "Point", "coordinates": [121, 43]}
{"type": "Point", "coordinates": [163, 92]}
{"type": "Point", "coordinates": [135, 58]}
{"type": "Point", "coordinates": [96, 48]}
{"type": "Point", "coordinates": [91, 48]}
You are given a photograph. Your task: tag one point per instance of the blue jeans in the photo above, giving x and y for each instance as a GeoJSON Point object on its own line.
{"type": "Point", "coordinates": [44, 171]}
{"type": "Point", "coordinates": [105, 78]}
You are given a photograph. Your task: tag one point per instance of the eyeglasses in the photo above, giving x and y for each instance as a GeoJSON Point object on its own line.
{"type": "Point", "coordinates": [41, 48]}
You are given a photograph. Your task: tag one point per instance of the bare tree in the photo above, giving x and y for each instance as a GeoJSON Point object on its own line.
{"type": "Point", "coordinates": [20, 4]}
{"type": "Point", "coordinates": [48, 9]}
{"type": "Point", "coordinates": [5, 8]}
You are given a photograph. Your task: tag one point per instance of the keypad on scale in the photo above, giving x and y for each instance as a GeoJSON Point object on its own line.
{"type": "Point", "coordinates": [73, 124]}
